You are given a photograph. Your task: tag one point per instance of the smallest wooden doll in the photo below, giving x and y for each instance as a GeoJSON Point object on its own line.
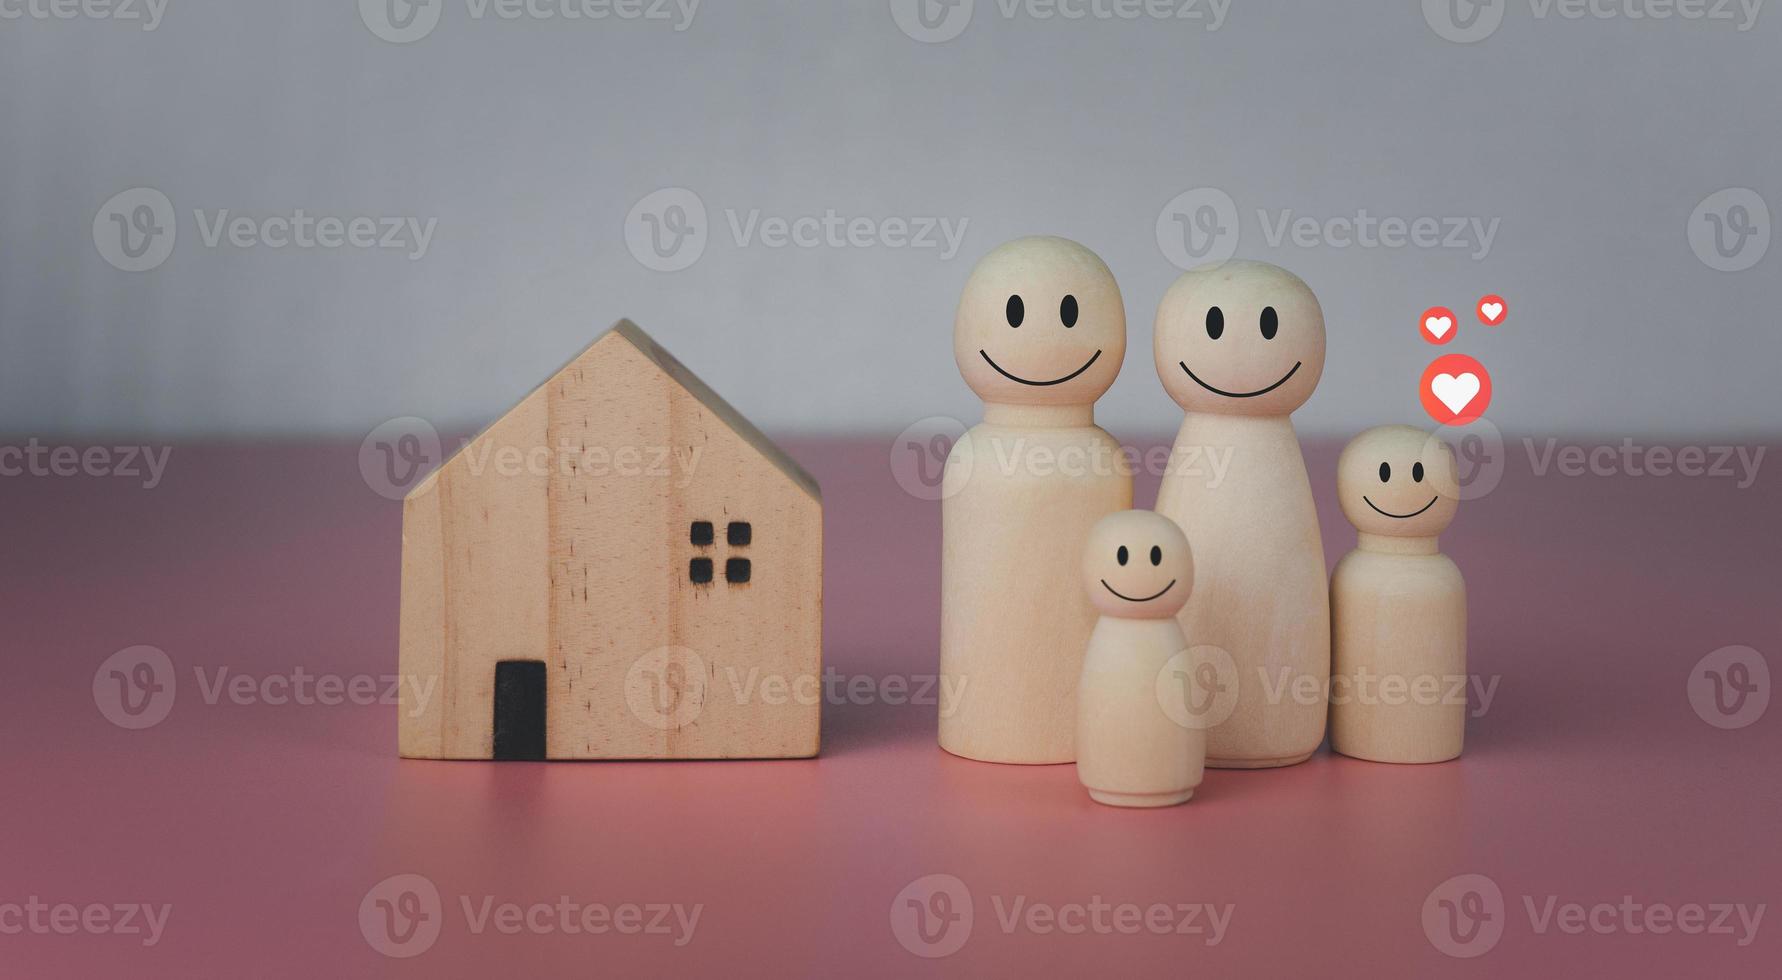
{"type": "Point", "coordinates": [1398, 605]}
{"type": "Point", "coordinates": [1130, 751]}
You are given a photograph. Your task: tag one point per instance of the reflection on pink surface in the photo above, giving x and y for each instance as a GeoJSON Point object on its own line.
{"type": "Point", "coordinates": [268, 831]}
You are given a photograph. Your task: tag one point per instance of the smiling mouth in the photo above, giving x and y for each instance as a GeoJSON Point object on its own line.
{"type": "Point", "coordinates": [1171, 585]}
{"type": "Point", "coordinates": [1039, 384]}
{"type": "Point", "coordinates": [1401, 517]}
{"type": "Point", "coordinates": [1242, 394]}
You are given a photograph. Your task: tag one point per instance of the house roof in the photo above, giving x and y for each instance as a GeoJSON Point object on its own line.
{"type": "Point", "coordinates": [628, 332]}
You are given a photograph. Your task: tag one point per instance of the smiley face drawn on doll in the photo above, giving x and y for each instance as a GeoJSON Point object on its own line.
{"type": "Point", "coordinates": [1399, 481]}
{"type": "Point", "coordinates": [1269, 323]}
{"type": "Point", "coordinates": [1015, 312]}
{"type": "Point", "coordinates": [1248, 335]}
{"type": "Point", "coordinates": [1386, 477]}
{"type": "Point", "coordinates": [1124, 555]}
{"type": "Point", "coordinates": [1041, 322]}
{"type": "Point", "coordinates": [1137, 564]}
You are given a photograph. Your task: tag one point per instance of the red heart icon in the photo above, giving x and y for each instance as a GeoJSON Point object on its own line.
{"type": "Point", "coordinates": [1455, 389]}
{"type": "Point", "coordinates": [1492, 310]}
{"type": "Point", "coordinates": [1438, 325]}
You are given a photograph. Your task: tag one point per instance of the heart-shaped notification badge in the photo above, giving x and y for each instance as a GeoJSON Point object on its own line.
{"type": "Point", "coordinates": [1455, 389]}
{"type": "Point", "coordinates": [1492, 309]}
{"type": "Point", "coordinates": [1437, 325]}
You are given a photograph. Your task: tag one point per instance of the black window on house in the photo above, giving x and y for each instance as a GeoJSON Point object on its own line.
{"type": "Point", "coordinates": [737, 570]}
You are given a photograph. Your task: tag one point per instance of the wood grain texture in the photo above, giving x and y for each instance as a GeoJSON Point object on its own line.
{"type": "Point", "coordinates": [1240, 346]}
{"type": "Point", "coordinates": [1261, 594]}
{"type": "Point", "coordinates": [1014, 620]}
{"type": "Point", "coordinates": [1040, 334]}
{"type": "Point", "coordinates": [1398, 605]}
{"type": "Point", "coordinates": [562, 533]}
{"type": "Point", "coordinates": [1398, 675]}
{"type": "Point", "coordinates": [1131, 751]}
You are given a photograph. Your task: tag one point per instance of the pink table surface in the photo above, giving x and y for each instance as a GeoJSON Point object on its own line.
{"type": "Point", "coordinates": [264, 828]}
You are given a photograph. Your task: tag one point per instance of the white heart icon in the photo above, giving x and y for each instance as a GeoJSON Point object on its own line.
{"type": "Point", "coordinates": [1455, 392]}
{"type": "Point", "coordinates": [1438, 326]}
{"type": "Point", "coordinates": [1492, 311]}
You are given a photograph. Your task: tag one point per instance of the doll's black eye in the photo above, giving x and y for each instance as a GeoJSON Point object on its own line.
{"type": "Point", "coordinates": [1156, 555]}
{"type": "Point", "coordinates": [1385, 472]}
{"type": "Point", "coordinates": [1016, 311]}
{"type": "Point", "coordinates": [1121, 555]}
{"type": "Point", "coordinates": [1417, 472]}
{"type": "Point", "coordinates": [1067, 311]}
{"type": "Point", "coordinates": [1215, 322]}
{"type": "Point", "coordinates": [1271, 323]}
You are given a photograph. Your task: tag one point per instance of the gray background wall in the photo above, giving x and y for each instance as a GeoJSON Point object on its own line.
{"type": "Point", "coordinates": [1590, 143]}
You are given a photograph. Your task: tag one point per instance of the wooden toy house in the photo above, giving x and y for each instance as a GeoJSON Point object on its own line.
{"type": "Point", "coordinates": [621, 567]}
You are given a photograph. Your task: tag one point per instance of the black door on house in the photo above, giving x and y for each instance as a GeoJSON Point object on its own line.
{"type": "Point", "coordinates": [520, 709]}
